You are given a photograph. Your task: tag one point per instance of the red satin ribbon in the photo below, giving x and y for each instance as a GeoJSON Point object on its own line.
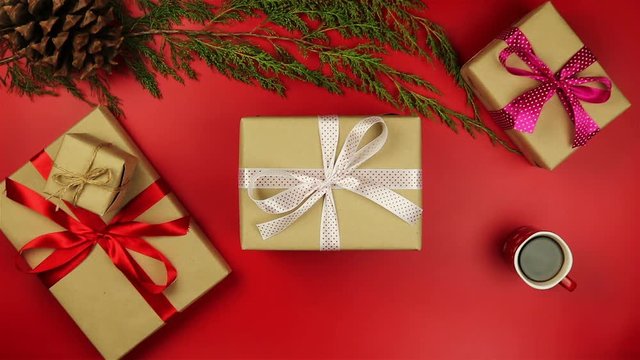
{"type": "Point", "coordinates": [117, 238]}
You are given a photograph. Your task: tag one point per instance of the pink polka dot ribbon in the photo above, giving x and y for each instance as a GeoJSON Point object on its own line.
{"type": "Point", "coordinates": [523, 112]}
{"type": "Point", "coordinates": [305, 187]}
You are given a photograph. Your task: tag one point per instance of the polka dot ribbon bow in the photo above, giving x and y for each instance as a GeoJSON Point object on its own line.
{"type": "Point", "coordinates": [523, 112]}
{"type": "Point", "coordinates": [305, 187]}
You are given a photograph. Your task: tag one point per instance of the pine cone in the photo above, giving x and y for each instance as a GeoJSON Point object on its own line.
{"type": "Point", "coordinates": [67, 36]}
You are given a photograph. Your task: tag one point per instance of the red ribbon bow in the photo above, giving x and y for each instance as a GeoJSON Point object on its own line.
{"type": "Point", "coordinates": [523, 112]}
{"type": "Point", "coordinates": [73, 245]}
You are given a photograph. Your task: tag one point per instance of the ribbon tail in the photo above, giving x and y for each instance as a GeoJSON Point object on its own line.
{"type": "Point", "coordinates": [57, 240]}
{"type": "Point", "coordinates": [585, 127]}
{"type": "Point", "coordinates": [276, 226]}
{"type": "Point", "coordinates": [329, 229]}
{"type": "Point", "coordinates": [151, 292]}
{"type": "Point", "coordinates": [128, 265]}
{"type": "Point", "coordinates": [67, 255]}
{"type": "Point", "coordinates": [60, 263]}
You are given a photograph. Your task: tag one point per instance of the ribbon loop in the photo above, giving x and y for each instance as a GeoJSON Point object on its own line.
{"type": "Point", "coordinates": [287, 200]}
{"type": "Point", "coordinates": [523, 112]}
{"type": "Point", "coordinates": [308, 187]}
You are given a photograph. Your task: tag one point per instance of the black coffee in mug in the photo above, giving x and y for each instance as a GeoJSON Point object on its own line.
{"type": "Point", "coordinates": [541, 259]}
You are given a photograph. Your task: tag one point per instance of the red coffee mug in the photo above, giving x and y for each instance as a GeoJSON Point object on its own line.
{"type": "Point", "coordinates": [516, 241]}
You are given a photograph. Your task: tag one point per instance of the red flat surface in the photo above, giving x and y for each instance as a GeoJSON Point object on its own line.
{"type": "Point", "coordinates": [455, 299]}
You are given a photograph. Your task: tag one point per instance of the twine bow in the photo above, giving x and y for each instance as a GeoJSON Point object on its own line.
{"type": "Point", "coordinates": [343, 173]}
{"type": "Point", "coordinates": [76, 182]}
{"type": "Point", "coordinates": [523, 112]}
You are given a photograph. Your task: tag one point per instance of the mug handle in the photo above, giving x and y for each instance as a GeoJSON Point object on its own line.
{"type": "Point", "coordinates": [568, 283]}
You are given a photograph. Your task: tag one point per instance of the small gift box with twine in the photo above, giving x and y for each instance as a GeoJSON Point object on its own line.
{"type": "Point", "coordinates": [121, 276]}
{"type": "Point", "coordinates": [90, 174]}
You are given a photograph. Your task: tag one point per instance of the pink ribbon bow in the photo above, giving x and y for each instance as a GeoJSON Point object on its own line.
{"type": "Point", "coordinates": [523, 112]}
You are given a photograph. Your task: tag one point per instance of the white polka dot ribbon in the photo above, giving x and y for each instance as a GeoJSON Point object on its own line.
{"type": "Point", "coordinates": [305, 187]}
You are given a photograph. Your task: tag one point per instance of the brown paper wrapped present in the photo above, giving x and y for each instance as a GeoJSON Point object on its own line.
{"type": "Point", "coordinates": [304, 185]}
{"type": "Point", "coordinates": [114, 306]}
{"type": "Point", "coordinates": [90, 174]}
{"type": "Point", "coordinates": [554, 137]}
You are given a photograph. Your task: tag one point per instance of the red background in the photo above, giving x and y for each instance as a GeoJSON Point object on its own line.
{"type": "Point", "coordinates": [454, 299]}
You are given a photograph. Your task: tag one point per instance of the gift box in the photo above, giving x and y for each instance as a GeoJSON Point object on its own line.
{"type": "Point", "coordinates": [544, 87]}
{"type": "Point", "coordinates": [90, 174]}
{"type": "Point", "coordinates": [330, 183]}
{"type": "Point", "coordinates": [120, 276]}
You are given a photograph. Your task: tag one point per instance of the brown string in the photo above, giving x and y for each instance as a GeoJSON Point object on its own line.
{"type": "Point", "coordinates": [76, 182]}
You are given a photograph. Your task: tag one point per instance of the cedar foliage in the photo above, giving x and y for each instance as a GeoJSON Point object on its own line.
{"type": "Point", "coordinates": [169, 35]}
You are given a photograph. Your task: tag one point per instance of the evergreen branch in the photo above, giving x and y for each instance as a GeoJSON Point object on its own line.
{"type": "Point", "coordinates": [9, 59]}
{"type": "Point", "coordinates": [72, 88]}
{"type": "Point", "coordinates": [365, 67]}
{"type": "Point", "coordinates": [144, 76]}
{"type": "Point", "coordinates": [23, 83]}
{"type": "Point", "coordinates": [101, 88]}
{"type": "Point", "coordinates": [168, 13]}
{"type": "Point", "coordinates": [226, 13]}
{"type": "Point", "coordinates": [45, 76]}
{"type": "Point", "coordinates": [442, 48]}
{"type": "Point", "coordinates": [429, 107]}
{"type": "Point", "coordinates": [167, 32]}
{"type": "Point", "coordinates": [288, 35]}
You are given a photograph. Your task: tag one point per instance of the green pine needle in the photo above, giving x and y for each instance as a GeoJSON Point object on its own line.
{"type": "Point", "coordinates": [100, 87]}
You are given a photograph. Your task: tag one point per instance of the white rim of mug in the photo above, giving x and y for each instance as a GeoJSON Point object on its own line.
{"type": "Point", "coordinates": [564, 270]}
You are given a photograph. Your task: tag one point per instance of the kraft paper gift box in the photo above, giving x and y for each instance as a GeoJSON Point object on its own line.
{"type": "Point", "coordinates": [276, 143]}
{"type": "Point", "coordinates": [82, 155]}
{"type": "Point", "coordinates": [555, 43]}
{"type": "Point", "coordinates": [113, 312]}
